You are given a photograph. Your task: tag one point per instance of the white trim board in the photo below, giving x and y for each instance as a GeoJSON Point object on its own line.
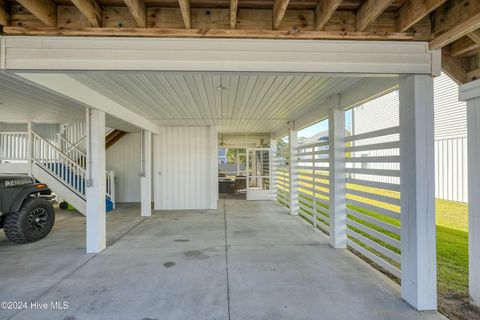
{"type": "Point", "coordinates": [184, 54]}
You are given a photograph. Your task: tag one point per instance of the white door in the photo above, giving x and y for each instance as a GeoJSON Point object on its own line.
{"type": "Point", "coordinates": [258, 174]}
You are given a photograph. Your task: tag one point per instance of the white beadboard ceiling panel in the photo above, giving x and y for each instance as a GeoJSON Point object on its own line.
{"type": "Point", "coordinates": [21, 101]}
{"type": "Point", "coordinates": [233, 102]}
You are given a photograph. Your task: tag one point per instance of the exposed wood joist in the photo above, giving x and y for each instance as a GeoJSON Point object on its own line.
{"type": "Point", "coordinates": [91, 10]}
{"type": "Point", "coordinates": [217, 33]}
{"type": "Point", "coordinates": [324, 11]}
{"type": "Point", "coordinates": [279, 8]}
{"type": "Point", "coordinates": [473, 75]}
{"type": "Point", "coordinates": [413, 11]}
{"type": "Point", "coordinates": [185, 8]}
{"type": "Point", "coordinates": [455, 68]}
{"type": "Point", "coordinates": [4, 15]}
{"type": "Point", "coordinates": [139, 11]}
{"type": "Point", "coordinates": [233, 13]}
{"type": "Point", "coordinates": [454, 20]}
{"type": "Point", "coordinates": [44, 10]}
{"type": "Point", "coordinates": [464, 47]}
{"type": "Point", "coordinates": [475, 36]}
{"type": "Point", "coordinates": [369, 11]}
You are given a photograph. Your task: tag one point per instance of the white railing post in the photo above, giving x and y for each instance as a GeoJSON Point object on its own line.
{"type": "Point", "coordinates": [273, 166]}
{"type": "Point", "coordinates": [112, 187]}
{"type": "Point", "coordinates": [293, 168]}
{"type": "Point", "coordinates": [146, 173]}
{"type": "Point", "coordinates": [471, 93]}
{"type": "Point", "coordinates": [95, 182]}
{"type": "Point", "coordinates": [29, 147]}
{"type": "Point", "coordinates": [417, 189]}
{"type": "Point", "coordinates": [337, 193]}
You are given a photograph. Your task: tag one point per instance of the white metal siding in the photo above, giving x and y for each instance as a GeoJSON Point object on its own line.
{"type": "Point", "coordinates": [450, 114]}
{"type": "Point", "coordinates": [124, 158]}
{"type": "Point", "coordinates": [185, 168]}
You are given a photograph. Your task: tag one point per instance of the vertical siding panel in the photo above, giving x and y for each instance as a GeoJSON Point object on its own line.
{"type": "Point", "coordinates": [183, 156]}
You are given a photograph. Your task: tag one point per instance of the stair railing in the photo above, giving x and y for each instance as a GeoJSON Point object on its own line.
{"type": "Point", "coordinates": [72, 151]}
{"type": "Point", "coordinates": [58, 164]}
{"type": "Point", "coordinates": [13, 146]}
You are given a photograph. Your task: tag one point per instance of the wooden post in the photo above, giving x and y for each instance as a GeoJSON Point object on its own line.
{"type": "Point", "coordinates": [292, 168]}
{"type": "Point", "coordinates": [146, 173]}
{"type": "Point", "coordinates": [96, 182]}
{"type": "Point", "coordinates": [419, 268]}
{"type": "Point", "coordinates": [337, 200]}
{"type": "Point", "coordinates": [471, 93]}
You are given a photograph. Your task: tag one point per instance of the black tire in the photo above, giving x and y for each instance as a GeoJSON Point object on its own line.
{"type": "Point", "coordinates": [33, 222]}
{"type": "Point", "coordinates": [63, 205]}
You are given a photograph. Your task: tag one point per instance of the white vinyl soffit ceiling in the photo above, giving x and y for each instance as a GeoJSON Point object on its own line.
{"type": "Point", "coordinates": [233, 102]}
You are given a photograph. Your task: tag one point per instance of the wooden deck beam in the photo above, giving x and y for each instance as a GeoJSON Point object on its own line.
{"type": "Point", "coordinates": [369, 11]}
{"type": "Point", "coordinates": [139, 11]}
{"type": "Point", "coordinates": [185, 9]}
{"type": "Point", "coordinates": [91, 10]}
{"type": "Point", "coordinates": [324, 11]}
{"type": "Point", "coordinates": [44, 10]}
{"type": "Point", "coordinates": [413, 11]}
{"type": "Point", "coordinates": [279, 8]}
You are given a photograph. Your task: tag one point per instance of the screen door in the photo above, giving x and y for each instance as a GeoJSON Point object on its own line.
{"type": "Point", "coordinates": [258, 174]}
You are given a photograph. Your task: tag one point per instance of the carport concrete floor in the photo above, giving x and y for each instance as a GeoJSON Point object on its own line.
{"type": "Point", "coordinates": [246, 260]}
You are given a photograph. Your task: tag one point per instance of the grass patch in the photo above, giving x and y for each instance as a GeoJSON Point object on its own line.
{"type": "Point", "coordinates": [452, 234]}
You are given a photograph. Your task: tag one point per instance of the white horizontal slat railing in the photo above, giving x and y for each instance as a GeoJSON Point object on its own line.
{"type": "Point", "coordinates": [313, 184]}
{"type": "Point", "coordinates": [373, 197]}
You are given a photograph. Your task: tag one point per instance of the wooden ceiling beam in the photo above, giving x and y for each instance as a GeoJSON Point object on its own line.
{"type": "Point", "coordinates": [44, 10]}
{"type": "Point", "coordinates": [91, 10]}
{"type": "Point", "coordinates": [217, 33]}
{"type": "Point", "coordinates": [369, 11]}
{"type": "Point", "coordinates": [324, 11]}
{"type": "Point", "coordinates": [185, 9]}
{"type": "Point", "coordinates": [455, 68]}
{"type": "Point", "coordinates": [233, 13]}
{"type": "Point", "coordinates": [464, 47]}
{"type": "Point", "coordinates": [457, 31]}
{"type": "Point", "coordinates": [473, 75]}
{"type": "Point", "coordinates": [138, 11]}
{"type": "Point", "coordinates": [4, 15]}
{"type": "Point", "coordinates": [279, 8]}
{"type": "Point", "coordinates": [413, 11]}
{"type": "Point", "coordinates": [475, 36]}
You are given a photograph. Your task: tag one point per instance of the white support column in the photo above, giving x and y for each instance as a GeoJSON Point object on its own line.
{"type": "Point", "coordinates": [471, 93]}
{"type": "Point", "coordinates": [96, 182]}
{"type": "Point", "coordinates": [146, 173]}
{"type": "Point", "coordinates": [418, 263]}
{"type": "Point", "coordinates": [292, 168]}
{"type": "Point", "coordinates": [337, 200]}
{"type": "Point", "coordinates": [273, 167]}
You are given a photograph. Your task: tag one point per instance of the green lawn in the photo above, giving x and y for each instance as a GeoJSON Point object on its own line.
{"type": "Point", "coordinates": [452, 247]}
{"type": "Point", "coordinates": [452, 238]}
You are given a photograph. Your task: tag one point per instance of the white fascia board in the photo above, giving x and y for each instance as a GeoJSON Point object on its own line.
{"type": "Point", "coordinates": [469, 90]}
{"type": "Point", "coordinates": [66, 85]}
{"type": "Point", "coordinates": [237, 55]}
{"type": "Point", "coordinates": [364, 91]}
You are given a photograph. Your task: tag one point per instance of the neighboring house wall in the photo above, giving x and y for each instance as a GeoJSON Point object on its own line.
{"type": "Point", "coordinates": [450, 142]}
{"type": "Point", "coordinates": [450, 137]}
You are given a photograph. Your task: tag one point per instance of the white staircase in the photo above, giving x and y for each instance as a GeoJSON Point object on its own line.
{"type": "Point", "coordinates": [62, 166]}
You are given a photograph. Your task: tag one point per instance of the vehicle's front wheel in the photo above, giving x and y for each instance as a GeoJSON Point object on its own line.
{"type": "Point", "coordinates": [33, 222]}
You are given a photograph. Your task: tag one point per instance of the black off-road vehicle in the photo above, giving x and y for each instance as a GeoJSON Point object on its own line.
{"type": "Point", "coordinates": [26, 214]}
